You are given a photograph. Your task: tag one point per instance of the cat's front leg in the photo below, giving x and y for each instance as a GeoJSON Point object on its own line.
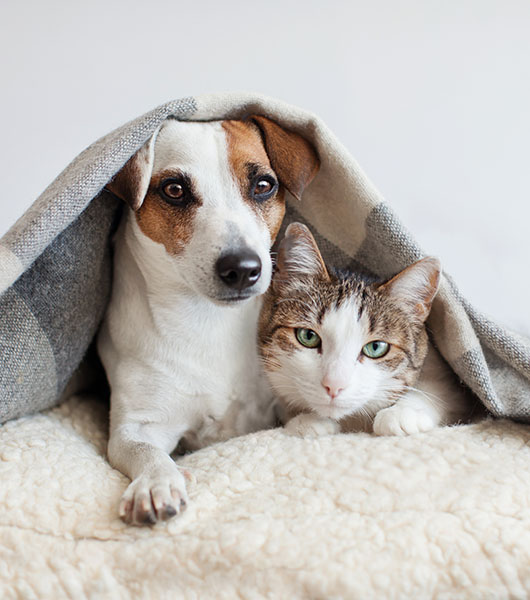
{"type": "Point", "coordinates": [311, 425]}
{"type": "Point", "coordinates": [412, 413]}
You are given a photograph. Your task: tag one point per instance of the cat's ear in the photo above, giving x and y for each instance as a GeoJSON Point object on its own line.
{"type": "Point", "coordinates": [416, 285]}
{"type": "Point", "coordinates": [298, 256]}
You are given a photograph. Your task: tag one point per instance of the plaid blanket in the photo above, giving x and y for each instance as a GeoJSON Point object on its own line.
{"type": "Point", "coordinates": [56, 268]}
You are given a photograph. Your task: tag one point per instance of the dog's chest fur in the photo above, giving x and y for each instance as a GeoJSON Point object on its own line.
{"type": "Point", "coordinates": [208, 355]}
{"type": "Point", "coordinates": [200, 358]}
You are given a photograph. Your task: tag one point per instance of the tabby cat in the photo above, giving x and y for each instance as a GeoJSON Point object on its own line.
{"type": "Point", "coordinates": [343, 352]}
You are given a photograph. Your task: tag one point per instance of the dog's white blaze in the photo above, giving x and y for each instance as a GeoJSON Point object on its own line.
{"type": "Point", "coordinates": [224, 221]}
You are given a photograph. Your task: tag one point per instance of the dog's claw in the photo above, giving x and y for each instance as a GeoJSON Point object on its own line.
{"type": "Point", "coordinates": [149, 500]}
{"type": "Point", "coordinates": [147, 518]}
{"type": "Point", "coordinates": [168, 512]}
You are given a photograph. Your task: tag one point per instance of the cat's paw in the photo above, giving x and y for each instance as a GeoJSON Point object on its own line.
{"type": "Point", "coordinates": [310, 425]}
{"type": "Point", "coordinates": [402, 420]}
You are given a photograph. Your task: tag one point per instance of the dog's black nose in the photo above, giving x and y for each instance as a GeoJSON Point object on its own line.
{"type": "Point", "coordinates": [239, 270]}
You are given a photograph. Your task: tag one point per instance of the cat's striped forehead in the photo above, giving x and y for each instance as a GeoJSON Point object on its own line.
{"type": "Point", "coordinates": [311, 299]}
{"type": "Point", "coordinates": [347, 303]}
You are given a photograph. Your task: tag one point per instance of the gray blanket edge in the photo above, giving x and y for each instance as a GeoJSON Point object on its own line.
{"type": "Point", "coordinates": [56, 267]}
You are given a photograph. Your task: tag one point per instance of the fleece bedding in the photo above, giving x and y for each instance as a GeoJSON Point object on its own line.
{"type": "Point", "coordinates": [438, 515]}
{"type": "Point", "coordinates": [443, 514]}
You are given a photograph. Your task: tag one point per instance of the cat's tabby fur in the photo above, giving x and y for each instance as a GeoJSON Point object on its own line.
{"type": "Point", "coordinates": [335, 385]}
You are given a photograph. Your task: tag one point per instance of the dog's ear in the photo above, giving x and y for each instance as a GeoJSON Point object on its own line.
{"type": "Point", "coordinates": [292, 157]}
{"type": "Point", "coordinates": [131, 183]}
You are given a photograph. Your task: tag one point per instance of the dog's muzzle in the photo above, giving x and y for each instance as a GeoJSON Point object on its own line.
{"type": "Point", "coordinates": [239, 270]}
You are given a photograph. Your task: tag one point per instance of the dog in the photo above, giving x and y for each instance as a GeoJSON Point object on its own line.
{"type": "Point", "coordinates": [205, 201]}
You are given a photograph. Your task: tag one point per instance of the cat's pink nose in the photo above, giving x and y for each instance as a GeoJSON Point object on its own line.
{"type": "Point", "coordinates": [332, 388]}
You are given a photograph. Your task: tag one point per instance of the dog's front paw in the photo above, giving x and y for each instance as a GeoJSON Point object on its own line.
{"type": "Point", "coordinates": [402, 420]}
{"type": "Point", "coordinates": [152, 498]}
{"type": "Point", "coordinates": [310, 425]}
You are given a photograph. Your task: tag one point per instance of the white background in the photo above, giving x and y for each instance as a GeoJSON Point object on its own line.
{"type": "Point", "coordinates": [431, 97]}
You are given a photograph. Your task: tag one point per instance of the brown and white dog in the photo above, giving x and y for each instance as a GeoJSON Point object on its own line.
{"type": "Point", "coordinates": [206, 201]}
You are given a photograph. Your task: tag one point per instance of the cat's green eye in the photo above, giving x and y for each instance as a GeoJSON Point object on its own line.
{"type": "Point", "coordinates": [307, 337]}
{"type": "Point", "coordinates": [376, 349]}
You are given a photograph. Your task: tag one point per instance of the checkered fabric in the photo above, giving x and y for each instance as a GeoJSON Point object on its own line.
{"type": "Point", "coordinates": [55, 262]}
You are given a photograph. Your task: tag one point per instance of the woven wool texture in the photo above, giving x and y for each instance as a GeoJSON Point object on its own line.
{"type": "Point", "coordinates": [55, 272]}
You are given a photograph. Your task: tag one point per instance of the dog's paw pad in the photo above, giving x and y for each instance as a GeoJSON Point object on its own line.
{"type": "Point", "coordinates": [402, 420]}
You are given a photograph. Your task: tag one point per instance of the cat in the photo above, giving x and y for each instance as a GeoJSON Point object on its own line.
{"type": "Point", "coordinates": [343, 353]}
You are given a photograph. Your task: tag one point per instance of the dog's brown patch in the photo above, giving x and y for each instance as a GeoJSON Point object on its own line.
{"type": "Point", "coordinates": [169, 225]}
{"type": "Point", "coordinates": [246, 151]}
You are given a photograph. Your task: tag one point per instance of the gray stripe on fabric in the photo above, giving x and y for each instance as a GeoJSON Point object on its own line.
{"type": "Point", "coordinates": [28, 381]}
{"type": "Point", "coordinates": [512, 347]}
{"type": "Point", "coordinates": [68, 286]}
{"type": "Point", "coordinates": [10, 268]}
{"type": "Point", "coordinates": [388, 247]}
{"type": "Point", "coordinates": [82, 180]}
{"type": "Point", "coordinates": [510, 385]}
{"type": "Point", "coordinates": [473, 370]}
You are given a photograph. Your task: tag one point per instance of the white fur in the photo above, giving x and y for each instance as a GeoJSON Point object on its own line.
{"type": "Point", "coordinates": [414, 283]}
{"type": "Point", "coordinates": [303, 375]}
{"type": "Point", "coordinates": [437, 400]}
{"type": "Point", "coordinates": [224, 221]}
{"type": "Point", "coordinates": [311, 425]}
{"type": "Point", "coordinates": [301, 258]}
{"type": "Point", "coordinates": [365, 388]}
{"type": "Point", "coordinates": [181, 363]}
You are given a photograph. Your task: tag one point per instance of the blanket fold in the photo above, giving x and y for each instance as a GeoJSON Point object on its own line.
{"type": "Point", "coordinates": [55, 262]}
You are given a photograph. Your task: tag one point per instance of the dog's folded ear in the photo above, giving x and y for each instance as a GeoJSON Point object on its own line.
{"type": "Point", "coordinates": [131, 183]}
{"type": "Point", "coordinates": [292, 157]}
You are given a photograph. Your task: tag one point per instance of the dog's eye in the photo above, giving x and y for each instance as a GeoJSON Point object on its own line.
{"type": "Point", "coordinates": [264, 187]}
{"type": "Point", "coordinates": [174, 190]}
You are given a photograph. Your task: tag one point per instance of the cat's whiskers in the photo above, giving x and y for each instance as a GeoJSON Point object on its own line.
{"type": "Point", "coordinates": [286, 387]}
{"type": "Point", "coordinates": [269, 362]}
{"type": "Point", "coordinates": [427, 395]}
{"type": "Point", "coordinates": [350, 313]}
{"type": "Point", "coordinates": [366, 415]}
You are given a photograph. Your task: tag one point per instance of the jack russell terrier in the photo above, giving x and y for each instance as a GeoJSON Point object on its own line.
{"type": "Point", "coordinates": [179, 340]}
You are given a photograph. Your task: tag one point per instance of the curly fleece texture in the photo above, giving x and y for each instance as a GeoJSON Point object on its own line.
{"type": "Point", "coordinates": [444, 514]}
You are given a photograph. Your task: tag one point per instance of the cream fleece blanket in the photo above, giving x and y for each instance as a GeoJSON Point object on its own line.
{"type": "Point", "coordinates": [439, 515]}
